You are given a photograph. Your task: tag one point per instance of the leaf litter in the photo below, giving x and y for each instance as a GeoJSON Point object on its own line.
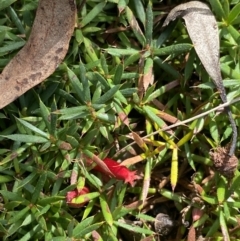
{"type": "Point", "coordinates": [44, 51]}
{"type": "Point", "coordinates": [203, 31]}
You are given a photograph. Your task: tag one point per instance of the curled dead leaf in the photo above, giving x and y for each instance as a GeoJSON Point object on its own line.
{"type": "Point", "coordinates": [45, 49]}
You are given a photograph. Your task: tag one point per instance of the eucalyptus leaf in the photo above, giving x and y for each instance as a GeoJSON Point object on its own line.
{"type": "Point", "coordinates": [203, 31]}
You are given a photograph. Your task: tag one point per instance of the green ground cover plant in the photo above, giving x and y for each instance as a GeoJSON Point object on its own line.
{"type": "Point", "coordinates": [123, 80]}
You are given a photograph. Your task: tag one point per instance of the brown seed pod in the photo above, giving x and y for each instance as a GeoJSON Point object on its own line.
{"type": "Point", "coordinates": [164, 224]}
{"type": "Point", "coordinates": [224, 163]}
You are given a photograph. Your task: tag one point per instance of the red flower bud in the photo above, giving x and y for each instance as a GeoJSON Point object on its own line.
{"type": "Point", "coordinates": [120, 172]}
{"type": "Point", "coordinates": [76, 193]}
{"type": "Point", "coordinates": [196, 214]}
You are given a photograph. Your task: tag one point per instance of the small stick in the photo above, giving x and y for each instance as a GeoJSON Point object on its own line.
{"type": "Point", "coordinates": [224, 105]}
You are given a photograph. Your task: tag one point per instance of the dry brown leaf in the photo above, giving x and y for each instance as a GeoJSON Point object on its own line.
{"type": "Point", "coordinates": [44, 51]}
{"type": "Point", "coordinates": [124, 118]}
{"type": "Point", "coordinates": [169, 118]}
{"type": "Point", "coordinates": [99, 163]}
{"type": "Point", "coordinates": [132, 160]}
{"type": "Point", "coordinates": [141, 89]}
{"type": "Point", "coordinates": [203, 31]}
{"type": "Point", "coordinates": [148, 77]}
{"type": "Point", "coordinates": [158, 104]}
{"type": "Point", "coordinates": [145, 188]}
{"type": "Point", "coordinates": [138, 139]}
{"type": "Point", "coordinates": [191, 234]}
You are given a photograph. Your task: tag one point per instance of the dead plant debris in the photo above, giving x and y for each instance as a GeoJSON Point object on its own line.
{"type": "Point", "coordinates": [224, 163]}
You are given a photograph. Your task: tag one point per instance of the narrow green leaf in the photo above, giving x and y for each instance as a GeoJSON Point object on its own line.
{"type": "Point", "coordinates": [140, 11]}
{"type": "Point", "coordinates": [14, 154]}
{"type": "Point", "coordinates": [234, 204]}
{"type": "Point", "coordinates": [165, 34]}
{"type": "Point", "coordinates": [135, 26]}
{"type": "Point", "coordinates": [153, 116]}
{"type": "Point", "coordinates": [33, 128]}
{"type": "Point", "coordinates": [201, 221]}
{"type": "Point", "coordinates": [213, 228]}
{"type": "Point", "coordinates": [136, 229]}
{"type": "Point", "coordinates": [189, 65]}
{"type": "Point", "coordinates": [148, 66]}
{"type": "Point", "coordinates": [50, 200]}
{"type": "Point", "coordinates": [18, 215]}
{"type": "Point", "coordinates": [39, 187]}
{"type": "Point", "coordinates": [226, 211]}
{"type": "Point", "coordinates": [106, 117]}
{"type": "Point", "coordinates": [132, 59]}
{"type": "Point", "coordinates": [234, 33]}
{"type": "Point", "coordinates": [6, 3]}
{"type": "Point", "coordinates": [214, 131]}
{"type": "Point", "coordinates": [76, 84]}
{"type": "Point", "coordinates": [29, 6]}
{"type": "Point", "coordinates": [218, 9]}
{"type": "Point", "coordinates": [60, 238]}
{"type": "Point", "coordinates": [104, 64]}
{"type": "Point", "coordinates": [210, 200]}
{"type": "Point", "coordinates": [42, 211]}
{"type": "Point", "coordinates": [93, 13]}
{"type": "Point", "coordinates": [16, 20]}
{"type": "Point", "coordinates": [95, 77]}
{"type": "Point", "coordinates": [72, 141]}
{"type": "Point", "coordinates": [26, 138]}
{"type": "Point", "coordinates": [121, 52]}
{"type": "Point", "coordinates": [82, 227]}
{"type": "Point", "coordinates": [173, 49]}
{"type": "Point", "coordinates": [149, 23]}
{"type": "Point", "coordinates": [118, 74]}
{"type": "Point", "coordinates": [170, 195]}
{"type": "Point", "coordinates": [68, 97]}
{"type": "Point", "coordinates": [197, 125]}
{"type": "Point", "coordinates": [108, 95]}
{"type": "Point", "coordinates": [221, 189]}
{"type": "Point", "coordinates": [39, 218]}
{"type": "Point", "coordinates": [174, 168]}
{"type": "Point", "coordinates": [167, 68]}
{"type": "Point", "coordinates": [26, 180]}
{"type": "Point", "coordinates": [223, 226]}
{"type": "Point", "coordinates": [225, 5]}
{"type": "Point", "coordinates": [85, 84]}
{"type": "Point", "coordinates": [5, 178]}
{"type": "Point", "coordinates": [88, 209]}
{"type": "Point", "coordinates": [53, 118]}
{"type": "Point", "coordinates": [45, 113]}
{"type": "Point", "coordinates": [124, 39]}
{"type": "Point", "coordinates": [231, 73]}
{"type": "Point", "coordinates": [185, 138]}
{"type": "Point", "coordinates": [234, 13]}
{"type": "Point", "coordinates": [30, 234]}
{"type": "Point", "coordinates": [85, 197]}
{"type": "Point", "coordinates": [72, 110]}
{"type": "Point", "coordinates": [11, 46]}
{"type": "Point", "coordinates": [90, 49]}
{"type": "Point", "coordinates": [14, 228]}
{"type": "Point", "coordinates": [105, 210]}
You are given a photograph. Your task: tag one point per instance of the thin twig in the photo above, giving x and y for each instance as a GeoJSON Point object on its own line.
{"type": "Point", "coordinates": [228, 103]}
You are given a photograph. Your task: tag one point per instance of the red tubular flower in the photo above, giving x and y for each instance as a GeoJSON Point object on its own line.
{"type": "Point", "coordinates": [74, 194]}
{"type": "Point", "coordinates": [120, 172]}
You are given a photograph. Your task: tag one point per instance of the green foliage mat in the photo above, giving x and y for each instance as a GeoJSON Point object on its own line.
{"type": "Point", "coordinates": [124, 77]}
